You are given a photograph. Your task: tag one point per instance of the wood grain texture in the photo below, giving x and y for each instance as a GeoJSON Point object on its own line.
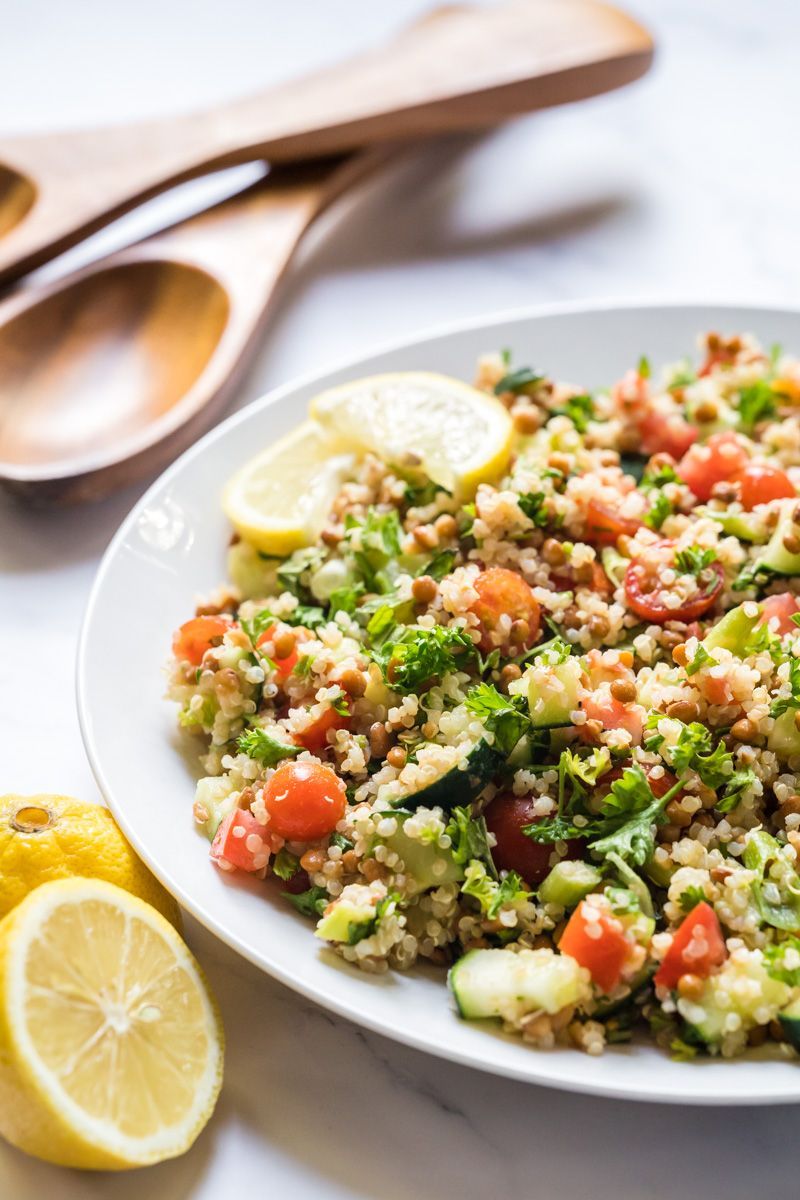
{"type": "Point", "coordinates": [109, 373]}
{"type": "Point", "coordinates": [459, 68]}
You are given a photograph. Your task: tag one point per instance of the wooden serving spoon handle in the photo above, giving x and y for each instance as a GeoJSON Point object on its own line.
{"type": "Point", "coordinates": [460, 68]}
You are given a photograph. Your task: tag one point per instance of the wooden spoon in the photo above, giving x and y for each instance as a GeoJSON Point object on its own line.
{"type": "Point", "coordinates": [466, 68]}
{"type": "Point", "coordinates": [107, 374]}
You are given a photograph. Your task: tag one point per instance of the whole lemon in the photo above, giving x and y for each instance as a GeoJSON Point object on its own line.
{"type": "Point", "coordinates": [46, 837]}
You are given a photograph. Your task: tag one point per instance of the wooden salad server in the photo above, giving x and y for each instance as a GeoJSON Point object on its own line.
{"type": "Point", "coordinates": [462, 68]}
{"type": "Point", "coordinates": [107, 374]}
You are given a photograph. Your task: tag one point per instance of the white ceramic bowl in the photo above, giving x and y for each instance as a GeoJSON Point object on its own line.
{"type": "Point", "coordinates": [172, 546]}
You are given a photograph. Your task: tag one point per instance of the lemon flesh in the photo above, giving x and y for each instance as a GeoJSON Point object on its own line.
{"type": "Point", "coordinates": [45, 837]}
{"type": "Point", "coordinates": [459, 437]}
{"type": "Point", "coordinates": [280, 500]}
{"type": "Point", "coordinates": [110, 1043]}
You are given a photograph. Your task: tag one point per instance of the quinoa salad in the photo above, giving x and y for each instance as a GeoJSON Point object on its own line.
{"type": "Point", "coordinates": [539, 730]}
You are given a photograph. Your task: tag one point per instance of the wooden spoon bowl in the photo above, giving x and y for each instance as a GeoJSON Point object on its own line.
{"type": "Point", "coordinates": [107, 374]}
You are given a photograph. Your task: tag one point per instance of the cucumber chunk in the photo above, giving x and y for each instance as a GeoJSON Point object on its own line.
{"type": "Point", "coordinates": [553, 692]}
{"type": "Point", "coordinates": [746, 526]}
{"type": "Point", "coordinates": [790, 1023]}
{"type": "Point", "coordinates": [461, 783]}
{"type": "Point", "coordinates": [254, 575]}
{"type": "Point", "coordinates": [615, 565]}
{"type": "Point", "coordinates": [509, 984]}
{"type": "Point", "coordinates": [425, 864]}
{"type": "Point", "coordinates": [568, 883]}
{"type": "Point", "coordinates": [734, 630]}
{"type": "Point", "coordinates": [775, 559]}
{"type": "Point", "coordinates": [784, 737]}
{"type": "Point", "coordinates": [344, 922]}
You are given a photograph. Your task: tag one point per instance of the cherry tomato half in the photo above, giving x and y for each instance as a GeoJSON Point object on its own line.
{"type": "Point", "coordinates": [697, 947]}
{"type": "Point", "coordinates": [305, 801]}
{"type": "Point", "coordinates": [500, 592]}
{"type": "Point", "coordinates": [759, 483]}
{"type": "Point", "coordinates": [190, 642]}
{"type": "Point", "coordinates": [647, 596]}
{"type": "Point", "coordinates": [604, 525]}
{"type": "Point", "coordinates": [717, 460]}
{"type": "Point", "coordinates": [506, 817]}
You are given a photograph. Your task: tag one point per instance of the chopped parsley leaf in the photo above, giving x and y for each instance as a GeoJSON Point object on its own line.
{"type": "Point", "coordinates": [285, 865]}
{"type": "Point", "coordinates": [311, 903]}
{"type": "Point", "coordinates": [261, 746]}
{"type": "Point", "coordinates": [422, 656]}
{"type": "Point", "coordinates": [660, 508]}
{"type": "Point", "coordinates": [693, 560]}
{"type": "Point", "coordinates": [756, 403]}
{"type": "Point", "coordinates": [691, 897]}
{"type": "Point", "coordinates": [523, 380]}
{"type": "Point", "coordinates": [504, 716]}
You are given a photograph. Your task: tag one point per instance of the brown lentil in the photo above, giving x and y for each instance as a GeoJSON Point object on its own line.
{"type": "Point", "coordinates": [353, 682]}
{"type": "Point", "coordinates": [745, 731]}
{"type": "Point", "coordinates": [690, 987]}
{"type": "Point", "coordinates": [446, 526]}
{"type": "Point", "coordinates": [425, 536]}
{"type": "Point", "coordinates": [553, 552]}
{"type": "Point", "coordinates": [424, 589]}
{"type": "Point", "coordinates": [683, 710]}
{"type": "Point", "coordinates": [397, 757]}
{"type": "Point", "coordinates": [678, 815]}
{"type": "Point", "coordinates": [623, 690]}
{"type": "Point", "coordinates": [679, 654]}
{"type": "Point", "coordinates": [526, 420]}
{"type": "Point", "coordinates": [791, 543]}
{"type": "Point", "coordinates": [379, 740]}
{"type": "Point", "coordinates": [706, 411]}
{"type": "Point", "coordinates": [284, 642]}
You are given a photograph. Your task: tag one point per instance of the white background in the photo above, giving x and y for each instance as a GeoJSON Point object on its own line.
{"type": "Point", "coordinates": [684, 185]}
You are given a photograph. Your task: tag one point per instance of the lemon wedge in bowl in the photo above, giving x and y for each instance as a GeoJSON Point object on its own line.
{"type": "Point", "coordinates": [279, 500]}
{"type": "Point", "coordinates": [458, 436]}
{"type": "Point", "coordinates": [110, 1043]}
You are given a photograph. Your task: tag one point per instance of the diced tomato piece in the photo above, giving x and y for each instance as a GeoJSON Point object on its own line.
{"type": "Point", "coordinates": [697, 947]}
{"type": "Point", "coordinates": [604, 525]}
{"type": "Point", "coordinates": [506, 816]}
{"type": "Point", "coordinates": [596, 940]}
{"type": "Point", "coordinates": [613, 714]}
{"type": "Point", "coordinates": [717, 460]}
{"type": "Point", "coordinates": [666, 433]}
{"type": "Point", "coordinates": [305, 801]}
{"type": "Point", "coordinates": [240, 842]}
{"type": "Point", "coordinates": [647, 596]}
{"type": "Point", "coordinates": [777, 613]}
{"type": "Point", "coordinates": [315, 736]}
{"type": "Point", "coordinates": [501, 592]}
{"type": "Point", "coordinates": [713, 689]}
{"type": "Point", "coordinates": [632, 391]}
{"type": "Point", "coordinates": [759, 483]}
{"type": "Point", "coordinates": [283, 666]}
{"type": "Point", "coordinates": [190, 642]}
{"type": "Point", "coordinates": [604, 667]}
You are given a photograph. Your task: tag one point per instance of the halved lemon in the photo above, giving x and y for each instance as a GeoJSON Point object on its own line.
{"type": "Point", "coordinates": [280, 499]}
{"type": "Point", "coordinates": [458, 436]}
{"type": "Point", "coordinates": [110, 1043]}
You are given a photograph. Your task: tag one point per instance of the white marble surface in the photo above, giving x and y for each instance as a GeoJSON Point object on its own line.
{"type": "Point", "coordinates": [684, 185]}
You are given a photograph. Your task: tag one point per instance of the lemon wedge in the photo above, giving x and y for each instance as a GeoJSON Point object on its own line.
{"type": "Point", "coordinates": [458, 436]}
{"type": "Point", "coordinates": [110, 1043]}
{"type": "Point", "coordinates": [279, 500]}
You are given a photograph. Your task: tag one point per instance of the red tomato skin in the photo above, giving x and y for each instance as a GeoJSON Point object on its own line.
{"type": "Point", "coordinates": [759, 483]}
{"type": "Point", "coordinates": [315, 737]}
{"type": "Point", "coordinates": [686, 955]}
{"type": "Point", "coordinates": [283, 666]}
{"type": "Point", "coordinates": [231, 847]}
{"type": "Point", "coordinates": [613, 714]}
{"type": "Point", "coordinates": [502, 591]}
{"type": "Point", "coordinates": [650, 607]}
{"type": "Point", "coordinates": [305, 801]}
{"type": "Point", "coordinates": [505, 817]}
{"type": "Point", "coordinates": [190, 642]}
{"type": "Point", "coordinates": [718, 460]}
{"type": "Point", "coordinates": [604, 526]}
{"type": "Point", "coordinates": [663, 434]}
{"type": "Point", "coordinates": [777, 612]}
{"type": "Point", "coordinates": [603, 957]}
